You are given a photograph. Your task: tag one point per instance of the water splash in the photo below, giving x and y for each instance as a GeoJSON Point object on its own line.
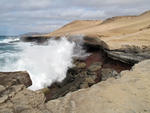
{"type": "Point", "coordinates": [46, 63]}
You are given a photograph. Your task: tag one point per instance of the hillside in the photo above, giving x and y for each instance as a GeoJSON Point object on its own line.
{"type": "Point", "coordinates": [116, 32]}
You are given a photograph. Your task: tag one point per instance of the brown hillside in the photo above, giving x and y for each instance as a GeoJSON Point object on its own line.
{"type": "Point", "coordinates": [116, 32]}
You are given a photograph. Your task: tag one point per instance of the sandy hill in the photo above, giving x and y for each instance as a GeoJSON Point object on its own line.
{"type": "Point", "coordinates": [74, 26]}
{"type": "Point", "coordinates": [116, 32]}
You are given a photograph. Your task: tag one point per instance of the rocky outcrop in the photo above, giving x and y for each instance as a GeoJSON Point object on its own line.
{"type": "Point", "coordinates": [77, 78]}
{"type": "Point", "coordinates": [16, 98]}
{"type": "Point", "coordinates": [84, 74]}
{"type": "Point", "coordinates": [34, 38]}
{"type": "Point", "coordinates": [107, 73]}
{"type": "Point", "coordinates": [128, 94]}
{"type": "Point", "coordinates": [9, 79]}
{"type": "Point", "coordinates": [129, 56]}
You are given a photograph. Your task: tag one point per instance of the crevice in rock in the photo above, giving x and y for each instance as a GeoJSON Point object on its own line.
{"type": "Point", "coordinates": [95, 68]}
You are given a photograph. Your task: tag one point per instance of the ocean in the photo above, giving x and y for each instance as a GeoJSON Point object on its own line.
{"type": "Point", "coordinates": [8, 51]}
{"type": "Point", "coordinates": [46, 63]}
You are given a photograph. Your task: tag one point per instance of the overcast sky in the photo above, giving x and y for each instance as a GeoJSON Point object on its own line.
{"type": "Point", "coordinates": [22, 16]}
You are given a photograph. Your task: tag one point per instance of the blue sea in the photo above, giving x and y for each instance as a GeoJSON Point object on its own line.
{"type": "Point", "coordinates": [8, 51]}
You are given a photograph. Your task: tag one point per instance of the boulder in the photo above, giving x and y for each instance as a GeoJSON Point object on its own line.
{"type": "Point", "coordinates": [108, 73]}
{"type": "Point", "coordinates": [8, 79]}
{"type": "Point", "coordinates": [18, 99]}
{"type": "Point", "coordinates": [84, 85]}
{"type": "Point", "coordinates": [95, 66]}
{"type": "Point", "coordinates": [80, 65]}
{"type": "Point", "coordinates": [2, 88]}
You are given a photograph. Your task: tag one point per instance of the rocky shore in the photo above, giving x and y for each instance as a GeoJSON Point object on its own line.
{"type": "Point", "coordinates": [128, 93]}
{"type": "Point", "coordinates": [95, 68]}
{"type": "Point", "coordinates": [114, 78]}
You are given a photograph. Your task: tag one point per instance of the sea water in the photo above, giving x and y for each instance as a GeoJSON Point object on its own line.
{"type": "Point", "coordinates": [46, 63]}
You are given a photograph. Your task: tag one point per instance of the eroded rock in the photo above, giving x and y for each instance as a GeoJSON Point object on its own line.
{"type": "Point", "coordinates": [2, 88]}
{"type": "Point", "coordinates": [21, 100]}
{"type": "Point", "coordinates": [95, 66]}
{"type": "Point", "coordinates": [129, 56]}
{"type": "Point", "coordinates": [80, 65]}
{"type": "Point", "coordinates": [8, 79]}
{"type": "Point", "coordinates": [128, 94]}
{"type": "Point", "coordinates": [77, 77]}
{"type": "Point", "coordinates": [108, 73]}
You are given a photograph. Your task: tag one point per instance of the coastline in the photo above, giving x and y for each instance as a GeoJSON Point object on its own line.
{"type": "Point", "coordinates": [124, 41]}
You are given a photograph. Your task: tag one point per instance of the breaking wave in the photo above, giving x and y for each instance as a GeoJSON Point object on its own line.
{"type": "Point", "coordinates": [46, 63]}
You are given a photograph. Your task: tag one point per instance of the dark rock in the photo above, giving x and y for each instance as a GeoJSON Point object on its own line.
{"type": "Point", "coordinates": [8, 79]}
{"type": "Point", "coordinates": [36, 39]}
{"type": "Point", "coordinates": [84, 75]}
{"type": "Point", "coordinates": [77, 77]}
{"type": "Point", "coordinates": [90, 80]}
{"type": "Point", "coordinates": [107, 73]}
{"type": "Point", "coordinates": [80, 65]}
{"type": "Point", "coordinates": [84, 85]}
{"type": "Point", "coordinates": [70, 84]}
{"type": "Point", "coordinates": [95, 66]}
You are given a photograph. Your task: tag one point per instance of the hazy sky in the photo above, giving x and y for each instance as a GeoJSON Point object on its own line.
{"type": "Point", "coordinates": [22, 16]}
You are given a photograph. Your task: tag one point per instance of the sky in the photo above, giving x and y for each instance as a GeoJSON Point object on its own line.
{"type": "Point", "coordinates": [43, 16]}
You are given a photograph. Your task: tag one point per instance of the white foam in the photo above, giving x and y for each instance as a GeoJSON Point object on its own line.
{"type": "Point", "coordinates": [10, 39]}
{"type": "Point", "coordinates": [45, 63]}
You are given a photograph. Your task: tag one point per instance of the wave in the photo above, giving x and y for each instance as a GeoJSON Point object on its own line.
{"type": "Point", "coordinates": [10, 40]}
{"type": "Point", "coordinates": [45, 63]}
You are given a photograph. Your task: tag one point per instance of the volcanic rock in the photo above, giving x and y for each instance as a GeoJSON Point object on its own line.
{"type": "Point", "coordinates": [81, 65]}
{"type": "Point", "coordinates": [95, 66]}
{"type": "Point", "coordinates": [108, 73]}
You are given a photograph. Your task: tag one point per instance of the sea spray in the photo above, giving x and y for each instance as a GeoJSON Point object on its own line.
{"type": "Point", "coordinates": [47, 63]}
